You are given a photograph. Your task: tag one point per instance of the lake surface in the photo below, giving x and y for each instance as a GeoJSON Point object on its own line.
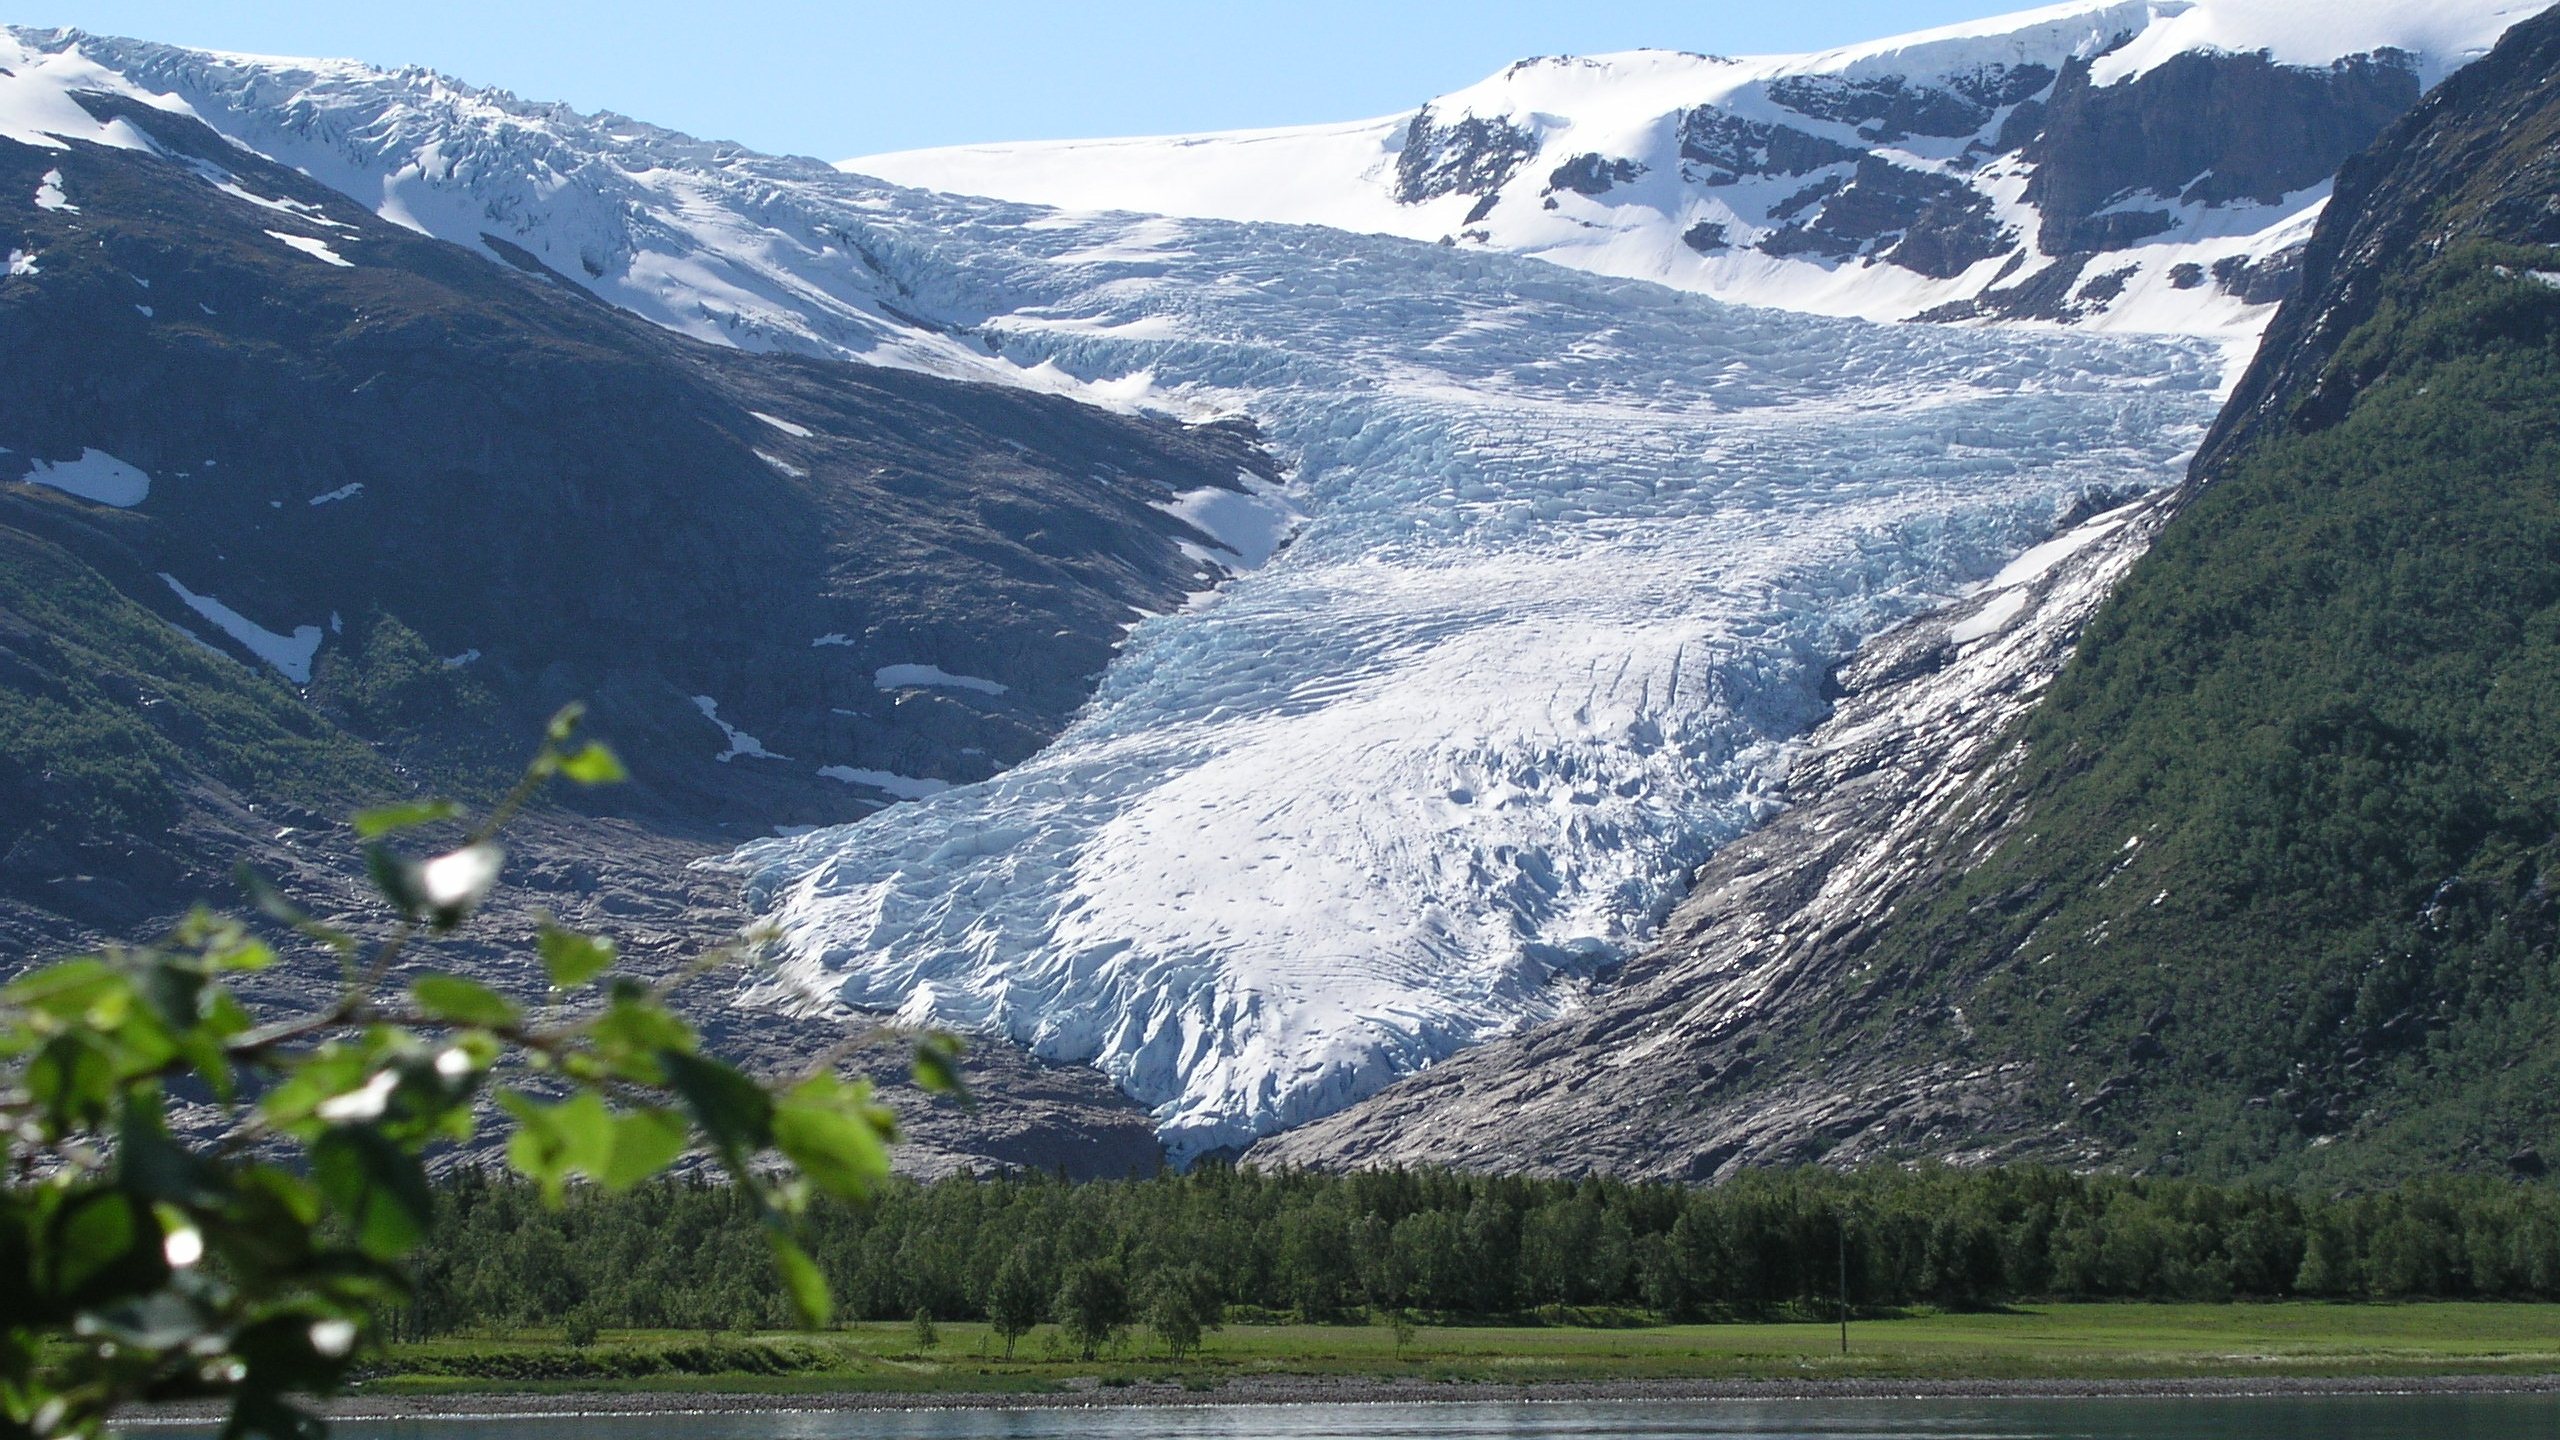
{"type": "Point", "coordinates": [2390, 1417]}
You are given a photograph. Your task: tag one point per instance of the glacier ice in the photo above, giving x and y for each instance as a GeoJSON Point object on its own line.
{"type": "Point", "coordinates": [1577, 557]}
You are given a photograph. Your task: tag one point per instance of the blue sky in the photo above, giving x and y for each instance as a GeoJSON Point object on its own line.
{"type": "Point", "coordinates": [850, 77]}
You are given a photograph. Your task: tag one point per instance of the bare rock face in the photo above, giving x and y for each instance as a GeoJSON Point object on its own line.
{"type": "Point", "coordinates": [1663, 1075]}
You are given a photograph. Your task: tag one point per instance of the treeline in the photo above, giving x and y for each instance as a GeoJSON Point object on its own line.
{"type": "Point", "coordinates": [690, 1254]}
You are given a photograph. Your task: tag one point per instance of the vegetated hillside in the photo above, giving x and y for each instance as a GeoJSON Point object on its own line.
{"type": "Point", "coordinates": [2265, 884]}
{"type": "Point", "coordinates": [411, 500]}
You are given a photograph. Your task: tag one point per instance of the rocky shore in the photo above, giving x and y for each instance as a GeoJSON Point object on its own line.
{"type": "Point", "coordinates": [1302, 1390]}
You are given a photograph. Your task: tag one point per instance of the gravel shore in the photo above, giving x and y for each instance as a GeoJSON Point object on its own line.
{"type": "Point", "coordinates": [1284, 1390]}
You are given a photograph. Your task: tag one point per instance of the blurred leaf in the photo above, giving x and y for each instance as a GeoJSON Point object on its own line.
{"type": "Point", "coordinates": [379, 1188]}
{"type": "Point", "coordinates": [573, 959]}
{"type": "Point", "coordinates": [594, 765]}
{"type": "Point", "coordinates": [801, 1277]}
{"type": "Point", "coordinates": [452, 885]}
{"type": "Point", "coordinates": [835, 1135]}
{"type": "Point", "coordinates": [937, 1065]}
{"type": "Point", "coordinates": [732, 1109]}
{"type": "Point", "coordinates": [374, 824]}
{"type": "Point", "coordinates": [396, 880]}
{"type": "Point", "coordinates": [564, 723]}
{"type": "Point", "coordinates": [464, 1002]}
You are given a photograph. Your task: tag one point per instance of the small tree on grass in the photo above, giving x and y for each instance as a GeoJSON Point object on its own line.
{"type": "Point", "coordinates": [1093, 1306]}
{"type": "Point", "coordinates": [1181, 1303]}
{"type": "Point", "coordinates": [1015, 1299]}
{"type": "Point", "coordinates": [923, 1331]}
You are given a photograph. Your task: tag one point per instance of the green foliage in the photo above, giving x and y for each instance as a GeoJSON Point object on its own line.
{"type": "Point", "coordinates": [1181, 1304]}
{"type": "Point", "coordinates": [1093, 1305]}
{"type": "Point", "coordinates": [106, 709]}
{"type": "Point", "coordinates": [253, 1258]}
{"type": "Point", "coordinates": [1200, 1248]}
{"type": "Point", "coordinates": [1015, 1299]}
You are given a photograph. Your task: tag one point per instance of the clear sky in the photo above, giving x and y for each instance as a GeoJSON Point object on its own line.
{"type": "Point", "coordinates": [836, 78]}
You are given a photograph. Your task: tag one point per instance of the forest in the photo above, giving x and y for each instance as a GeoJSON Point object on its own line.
{"type": "Point", "coordinates": [1244, 1245]}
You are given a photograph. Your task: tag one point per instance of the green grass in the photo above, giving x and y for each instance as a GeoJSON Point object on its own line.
{"type": "Point", "coordinates": [2033, 1342]}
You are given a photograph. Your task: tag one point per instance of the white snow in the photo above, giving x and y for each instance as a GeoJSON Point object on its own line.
{"type": "Point", "coordinates": [316, 249]}
{"type": "Point", "coordinates": [1991, 619]}
{"type": "Point", "coordinates": [21, 263]}
{"type": "Point", "coordinates": [895, 677]}
{"type": "Point", "coordinates": [801, 432]}
{"type": "Point", "coordinates": [348, 491]}
{"type": "Point", "coordinates": [456, 662]}
{"type": "Point", "coordinates": [782, 465]}
{"type": "Point", "coordinates": [290, 654]}
{"type": "Point", "coordinates": [1249, 525]}
{"type": "Point", "coordinates": [740, 742]}
{"type": "Point", "coordinates": [96, 476]}
{"type": "Point", "coordinates": [834, 638]}
{"type": "Point", "coordinates": [902, 786]}
{"type": "Point", "coordinates": [1630, 105]}
{"type": "Point", "coordinates": [49, 194]}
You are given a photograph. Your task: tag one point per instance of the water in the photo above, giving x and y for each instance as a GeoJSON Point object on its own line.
{"type": "Point", "coordinates": [2355, 1417]}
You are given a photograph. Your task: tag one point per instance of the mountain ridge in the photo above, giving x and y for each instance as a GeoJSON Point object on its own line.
{"type": "Point", "coordinates": [2055, 165]}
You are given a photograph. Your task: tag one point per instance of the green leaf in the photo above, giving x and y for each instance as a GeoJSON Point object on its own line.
{"type": "Point", "coordinates": [463, 1002]}
{"type": "Point", "coordinates": [594, 765]}
{"type": "Point", "coordinates": [565, 723]}
{"type": "Point", "coordinates": [379, 1188]}
{"type": "Point", "coordinates": [834, 1135]}
{"type": "Point", "coordinates": [801, 1276]}
{"type": "Point", "coordinates": [396, 879]}
{"type": "Point", "coordinates": [583, 1135]}
{"type": "Point", "coordinates": [732, 1109]}
{"type": "Point", "coordinates": [374, 824]}
{"type": "Point", "coordinates": [938, 1065]}
{"type": "Point", "coordinates": [573, 959]}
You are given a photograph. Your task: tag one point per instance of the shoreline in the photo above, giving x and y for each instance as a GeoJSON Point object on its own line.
{"type": "Point", "coordinates": [1285, 1390]}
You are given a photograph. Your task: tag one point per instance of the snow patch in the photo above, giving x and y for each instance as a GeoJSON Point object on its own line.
{"type": "Point", "coordinates": [96, 476]}
{"type": "Point", "coordinates": [22, 263]}
{"type": "Point", "coordinates": [1991, 619]}
{"type": "Point", "coordinates": [1249, 525]}
{"type": "Point", "coordinates": [902, 786]}
{"type": "Point", "coordinates": [740, 742]}
{"type": "Point", "coordinates": [797, 432]}
{"type": "Point", "coordinates": [785, 466]}
{"type": "Point", "coordinates": [290, 654]}
{"type": "Point", "coordinates": [316, 249]}
{"type": "Point", "coordinates": [49, 194]}
{"type": "Point", "coordinates": [347, 491]}
{"type": "Point", "coordinates": [896, 677]}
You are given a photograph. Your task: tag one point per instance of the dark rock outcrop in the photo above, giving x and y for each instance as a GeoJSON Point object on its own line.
{"type": "Point", "coordinates": [2198, 129]}
{"type": "Point", "coordinates": [1473, 156]}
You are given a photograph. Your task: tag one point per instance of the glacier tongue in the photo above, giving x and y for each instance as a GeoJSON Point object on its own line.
{"type": "Point", "coordinates": [1579, 554]}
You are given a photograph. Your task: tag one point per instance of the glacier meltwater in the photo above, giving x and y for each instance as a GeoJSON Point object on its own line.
{"type": "Point", "coordinates": [1579, 554]}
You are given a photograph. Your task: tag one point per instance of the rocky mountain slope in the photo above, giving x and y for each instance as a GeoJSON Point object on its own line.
{"type": "Point", "coordinates": [301, 509]}
{"type": "Point", "coordinates": [2262, 883]}
{"type": "Point", "coordinates": [2130, 164]}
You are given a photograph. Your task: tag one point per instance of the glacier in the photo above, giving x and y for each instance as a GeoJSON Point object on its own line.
{"type": "Point", "coordinates": [1562, 567]}
{"type": "Point", "coordinates": [1578, 556]}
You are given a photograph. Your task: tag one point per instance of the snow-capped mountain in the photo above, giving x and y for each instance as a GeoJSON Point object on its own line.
{"type": "Point", "coordinates": [1572, 556]}
{"type": "Point", "coordinates": [2142, 165]}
